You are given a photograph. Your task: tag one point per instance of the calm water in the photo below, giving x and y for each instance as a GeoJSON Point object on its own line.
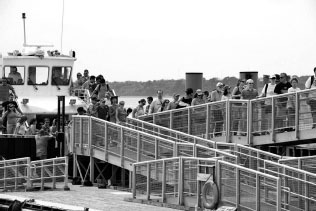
{"type": "Point", "coordinates": [132, 101]}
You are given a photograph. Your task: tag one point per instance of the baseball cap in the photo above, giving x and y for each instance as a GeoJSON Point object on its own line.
{"type": "Point", "coordinates": [273, 76]}
{"type": "Point", "coordinates": [199, 92]}
{"type": "Point", "coordinates": [219, 84]}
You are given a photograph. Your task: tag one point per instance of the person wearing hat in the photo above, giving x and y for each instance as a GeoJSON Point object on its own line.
{"type": "Point", "coordinates": [187, 99]}
{"type": "Point", "coordinates": [156, 104]}
{"type": "Point", "coordinates": [174, 103]}
{"type": "Point", "coordinates": [216, 110]}
{"type": "Point", "coordinates": [139, 110]}
{"type": "Point", "coordinates": [311, 84]}
{"type": "Point", "coordinates": [267, 91]}
{"type": "Point", "coordinates": [198, 100]}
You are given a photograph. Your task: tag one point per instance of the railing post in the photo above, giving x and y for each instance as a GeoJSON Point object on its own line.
{"type": "Point", "coordinates": [156, 148]}
{"type": "Point", "coordinates": [228, 113]}
{"type": "Point", "coordinates": [249, 124]}
{"type": "Point", "coordinates": [4, 176]}
{"type": "Point", "coordinates": [73, 136]}
{"type": "Point", "coordinates": [138, 147]}
{"type": "Point", "coordinates": [171, 120]}
{"type": "Point", "coordinates": [81, 136]}
{"type": "Point", "coordinates": [163, 191]}
{"type": "Point", "coordinates": [148, 181]}
{"type": "Point", "coordinates": [66, 174]}
{"type": "Point", "coordinates": [207, 125]}
{"type": "Point", "coordinates": [297, 115]}
{"type": "Point", "coordinates": [180, 187]}
{"type": "Point", "coordinates": [28, 174]}
{"type": "Point", "coordinates": [189, 122]}
{"type": "Point", "coordinates": [42, 175]}
{"type": "Point", "coordinates": [134, 181]}
{"type": "Point", "coordinates": [154, 118]}
{"type": "Point", "coordinates": [218, 177]}
{"type": "Point", "coordinates": [175, 149]}
{"type": "Point", "coordinates": [122, 147]}
{"type": "Point", "coordinates": [306, 194]}
{"type": "Point", "coordinates": [257, 191]}
{"type": "Point", "coordinates": [198, 186]}
{"type": "Point", "coordinates": [106, 144]}
{"type": "Point", "coordinates": [90, 135]}
{"type": "Point", "coordinates": [237, 188]}
{"type": "Point", "coordinates": [54, 174]}
{"type": "Point", "coordinates": [278, 195]}
{"type": "Point", "coordinates": [273, 120]}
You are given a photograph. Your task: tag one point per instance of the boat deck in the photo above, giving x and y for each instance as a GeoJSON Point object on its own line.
{"type": "Point", "coordinates": [80, 197]}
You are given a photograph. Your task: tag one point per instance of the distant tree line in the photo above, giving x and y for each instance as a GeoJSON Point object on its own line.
{"type": "Point", "coordinates": [149, 88]}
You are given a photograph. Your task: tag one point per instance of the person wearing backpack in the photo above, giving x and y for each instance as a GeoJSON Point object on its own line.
{"type": "Point", "coordinates": [311, 84]}
{"type": "Point", "coordinates": [267, 91]}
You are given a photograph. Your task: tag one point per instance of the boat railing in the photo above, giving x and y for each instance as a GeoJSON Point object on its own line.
{"type": "Point", "coordinates": [83, 94]}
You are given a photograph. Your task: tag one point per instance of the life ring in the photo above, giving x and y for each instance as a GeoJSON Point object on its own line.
{"type": "Point", "coordinates": [207, 203]}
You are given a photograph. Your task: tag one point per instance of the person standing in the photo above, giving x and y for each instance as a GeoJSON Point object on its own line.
{"type": "Point", "coordinates": [311, 84]}
{"type": "Point", "coordinates": [90, 84]}
{"type": "Point", "coordinates": [139, 110]}
{"type": "Point", "coordinates": [237, 108]}
{"type": "Point", "coordinates": [149, 101]}
{"type": "Point", "coordinates": [85, 76]}
{"type": "Point", "coordinates": [198, 100]}
{"type": "Point", "coordinates": [92, 109]}
{"type": "Point", "coordinates": [291, 103]}
{"type": "Point", "coordinates": [156, 104]}
{"type": "Point", "coordinates": [175, 103]}
{"type": "Point", "coordinates": [187, 99]}
{"type": "Point", "coordinates": [15, 75]}
{"type": "Point", "coordinates": [121, 113]}
{"type": "Point", "coordinates": [216, 110]}
{"type": "Point", "coordinates": [281, 115]}
{"type": "Point", "coordinates": [113, 108]}
{"type": "Point", "coordinates": [21, 128]}
{"type": "Point", "coordinates": [250, 93]}
{"type": "Point", "coordinates": [11, 117]}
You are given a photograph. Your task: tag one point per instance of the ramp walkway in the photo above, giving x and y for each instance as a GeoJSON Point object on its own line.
{"type": "Point", "coordinates": [124, 146]}
{"type": "Point", "coordinates": [263, 121]}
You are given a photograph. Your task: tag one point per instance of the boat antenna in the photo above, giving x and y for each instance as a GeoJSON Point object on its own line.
{"type": "Point", "coordinates": [23, 17]}
{"type": "Point", "coordinates": [62, 28]}
{"type": "Point", "coordinates": [27, 45]}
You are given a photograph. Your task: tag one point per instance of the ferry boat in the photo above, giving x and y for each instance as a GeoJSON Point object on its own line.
{"type": "Point", "coordinates": [38, 77]}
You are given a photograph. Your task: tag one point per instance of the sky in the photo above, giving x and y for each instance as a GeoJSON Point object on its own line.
{"type": "Point", "coordinates": [141, 40]}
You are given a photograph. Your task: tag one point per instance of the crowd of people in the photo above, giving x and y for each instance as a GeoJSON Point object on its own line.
{"type": "Point", "coordinates": [105, 104]}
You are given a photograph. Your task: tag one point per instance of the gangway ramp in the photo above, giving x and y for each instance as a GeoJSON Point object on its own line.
{"type": "Point", "coordinates": [263, 121]}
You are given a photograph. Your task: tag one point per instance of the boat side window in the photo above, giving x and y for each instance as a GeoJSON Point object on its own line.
{"type": "Point", "coordinates": [37, 75]}
{"type": "Point", "coordinates": [14, 74]}
{"type": "Point", "coordinates": [61, 76]}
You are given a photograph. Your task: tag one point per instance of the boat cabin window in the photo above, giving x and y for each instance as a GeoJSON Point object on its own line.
{"type": "Point", "coordinates": [61, 76]}
{"type": "Point", "coordinates": [38, 75]}
{"type": "Point", "coordinates": [14, 74]}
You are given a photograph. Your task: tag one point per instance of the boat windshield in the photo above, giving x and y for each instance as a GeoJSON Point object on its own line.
{"type": "Point", "coordinates": [38, 75]}
{"type": "Point", "coordinates": [14, 74]}
{"type": "Point", "coordinates": [61, 76]}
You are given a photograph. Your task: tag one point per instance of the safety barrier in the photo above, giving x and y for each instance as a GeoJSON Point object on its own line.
{"type": "Point", "coordinates": [170, 180]}
{"type": "Point", "coordinates": [23, 174]}
{"type": "Point", "coordinates": [175, 181]}
{"type": "Point", "coordinates": [13, 173]}
{"type": "Point", "coordinates": [247, 189]}
{"type": "Point", "coordinates": [304, 163]}
{"type": "Point", "coordinates": [48, 172]}
{"type": "Point", "coordinates": [223, 118]}
{"type": "Point", "coordinates": [298, 186]}
{"type": "Point", "coordinates": [261, 121]}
